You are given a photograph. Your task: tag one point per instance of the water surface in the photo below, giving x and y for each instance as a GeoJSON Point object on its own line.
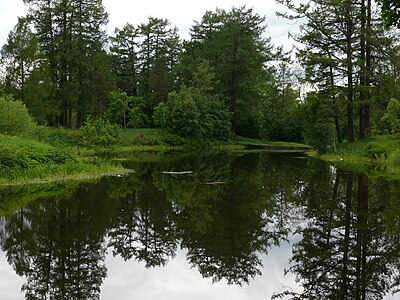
{"type": "Point", "coordinates": [204, 226]}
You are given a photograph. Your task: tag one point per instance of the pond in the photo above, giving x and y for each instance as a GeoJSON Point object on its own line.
{"type": "Point", "coordinates": [205, 226]}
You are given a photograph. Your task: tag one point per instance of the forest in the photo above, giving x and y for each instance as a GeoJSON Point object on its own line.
{"type": "Point", "coordinates": [227, 80]}
{"type": "Point", "coordinates": [151, 148]}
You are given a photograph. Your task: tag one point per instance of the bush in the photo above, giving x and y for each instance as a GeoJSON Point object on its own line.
{"type": "Point", "coordinates": [375, 150]}
{"type": "Point", "coordinates": [179, 115]}
{"type": "Point", "coordinates": [394, 160]}
{"type": "Point", "coordinates": [188, 116]}
{"type": "Point", "coordinates": [195, 111]}
{"type": "Point", "coordinates": [15, 118]}
{"type": "Point", "coordinates": [174, 140]}
{"type": "Point", "coordinates": [99, 132]}
{"type": "Point", "coordinates": [127, 111]}
{"type": "Point", "coordinates": [137, 119]}
{"type": "Point", "coordinates": [146, 140]}
{"type": "Point", "coordinates": [392, 115]}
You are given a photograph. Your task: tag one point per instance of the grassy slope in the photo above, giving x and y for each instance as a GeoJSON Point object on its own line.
{"type": "Point", "coordinates": [57, 154]}
{"type": "Point", "coordinates": [28, 161]}
{"type": "Point", "coordinates": [280, 146]}
{"type": "Point", "coordinates": [359, 156]}
{"type": "Point", "coordinates": [148, 139]}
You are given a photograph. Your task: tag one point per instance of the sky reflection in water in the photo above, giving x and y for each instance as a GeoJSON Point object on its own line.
{"type": "Point", "coordinates": [127, 280]}
{"type": "Point", "coordinates": [238, 219]}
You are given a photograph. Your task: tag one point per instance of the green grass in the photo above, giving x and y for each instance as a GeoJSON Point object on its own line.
{"type": "Point", "coordinates": [151, 139]}
{"type": "Point", "coordinates": [16, 196]}
{"type": "Point", "coordinates": [357, 152]}
{"type": "Point", "coordinates": [377, 155]}
{"type": "Point", "coordinates": [18, 152]}
{"type": "Point", "coordinates": [58, 136]}
{"type": "Point", "coordinates": [56, 173]}
{"type": "Point", "coordinates": [250, 141]}
{"type": "Point", "coordinates": [25, 161]}
{"type": "Point", "coordinates": [132, 132]}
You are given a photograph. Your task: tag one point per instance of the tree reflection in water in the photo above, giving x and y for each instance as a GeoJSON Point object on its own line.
{"type": "Point", "coordinates": [226, 214]}
{"type": "Point", "coordinates": [58, 246]}
{"type": "Point", "coordinates": [348, 251]}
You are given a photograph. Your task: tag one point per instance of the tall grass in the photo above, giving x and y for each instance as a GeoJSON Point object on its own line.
{"type": "Point", "coordinates": [28, 161]}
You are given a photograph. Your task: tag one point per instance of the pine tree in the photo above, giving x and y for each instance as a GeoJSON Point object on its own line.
{"type": "Point", "coordinates": [71, 37]}
{"type": "Point", "coordinates": [233, 44]}
{"type": "Point", "coordinates": [124, 51]}
{"type": "Point", "coordinates": [18, 57]}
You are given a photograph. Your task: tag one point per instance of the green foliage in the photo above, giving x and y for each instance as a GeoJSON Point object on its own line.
{"type": "Point", "coordinates": [387, 89]}
{"type": "Point", "coordinates": [99, 132]}
{"type": "Point", "coordinates": [392, 115]}
{"type": "Point", "coordinates": [19, 55]}
{"type": "Point", "coordinates": [393, 162]}
{"type": "Point", "coordinates": [14, 118]}
{"type": "Point", "coordinates": [144, 58]}
{"type": "Point", "coordinates": [136, 116]}
{"type": "Point", "coordinates": [59, 136]}
{"type": "Point", "coordinates": [179, 114]}
{"type": "Point", "coordinates": [375, 150]}
{"type": "Point", "coordinates": [390, 10]}
{"type": "Point", "coordinates": [282, 115]}
{"type": "Point", "coordinates": [158, 140]}
{"type": "Point", "coordinates": [38, 90]}
{"type": "Point", "coordinates": [216, 122]}
{"type": "Point", "coordinates": [194, 111]}
{"type": "Point", "coordinates": [232, 41]}
{"type": "Point", "coordinates": [174, 140]}
{"type": "Point", "coordinates": [19, 153]}
{"type": "Point", "coordinates": [75, 57]}
{"type": "Point", "coordinates": [319, 128]}
{"type": "Point", "coordinates": [126, 111]}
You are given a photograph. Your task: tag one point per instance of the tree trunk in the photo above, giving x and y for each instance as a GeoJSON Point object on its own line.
{"type": "Point", "coordinates": [346, 242]}
{"type": "Point", "coordinates": [349, 61]}
{"type": "Point", "coordinates": [363, 96]}
{"type": "Point", "coordinates": [336, 117]}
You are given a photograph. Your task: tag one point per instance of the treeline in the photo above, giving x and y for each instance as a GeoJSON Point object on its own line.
{"type": "Point", "coordinates": [227, 79]}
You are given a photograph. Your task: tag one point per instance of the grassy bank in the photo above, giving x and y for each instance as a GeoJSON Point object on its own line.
{"type": "Point", "coordinates": [24, 160]}
{"type": "Point", "coordinates": [58, 154]}
{"type": "Point", "coordinates": [378, 155]}
{"type": "Point", "coordinates": [148, 139]}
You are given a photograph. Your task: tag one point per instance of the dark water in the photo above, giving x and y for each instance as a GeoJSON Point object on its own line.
{"type": "Point", "coordinates": [240, 226]}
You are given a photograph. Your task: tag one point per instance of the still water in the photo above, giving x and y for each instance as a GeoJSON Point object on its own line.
{"type": "Point", "coordinates": [206, 226]}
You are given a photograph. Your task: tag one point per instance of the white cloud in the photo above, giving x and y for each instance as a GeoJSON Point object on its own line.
{"type": "Point", "coordinates": [180, 13]}
{"type": "Point", "coordinates": [184, 13]}
{"type": "Point", "coordinates": [130, 280]}
{"type": "Point", "coordinates": [10, 283]}
{"type": "Point", "coordinates": [10, 10]}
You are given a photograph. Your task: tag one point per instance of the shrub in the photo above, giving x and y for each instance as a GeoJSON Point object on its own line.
{"type": "Point", "coordinates": [174, 140]}
{"type": "Point", "coordinates": [142, 139]}
{"type": "Point", "coordinates": [195, 111]}
{"type": "Point", "coordinates": [127, 111]}
{"type": "Point", "coordinates": [188, 116]}
{"type": "Point", "coordinates": [394, 160]}
{"type": "Point", "coordinates": [375, 150]}
{"type": "Point", "coordinates": [99, 132]}
{"type": "Point", "coordinates": [179, 115]}
{"type": "Point", "coordinates": [15, 118]}
{"type": "Point", "coordinates": [392, 115]}
{"type": "Point", "coordinates": [137, 119]}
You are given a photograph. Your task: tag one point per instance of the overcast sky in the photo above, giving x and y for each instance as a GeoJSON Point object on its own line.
{"type": "Point", "coordinates": [180, 13]}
